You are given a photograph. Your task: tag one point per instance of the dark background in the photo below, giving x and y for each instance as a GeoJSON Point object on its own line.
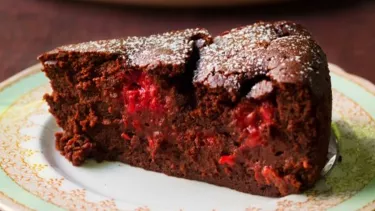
{"type": "Point", "coordinates": [345, 29]}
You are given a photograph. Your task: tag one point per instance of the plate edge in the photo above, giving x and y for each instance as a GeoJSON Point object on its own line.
{"type": "Point", "coordinates": [362, 82]}
{"type": "Point", "coordinates": [19, 76]}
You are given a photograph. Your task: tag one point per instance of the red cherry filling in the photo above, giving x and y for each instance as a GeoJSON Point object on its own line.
{"type": "Point", "coordinates": [141, 93]}
{"type": "Point", "coordinates": [144, 102]}
{"type": "Point", "coordinates": [252, 121]}
{"type": "Point", "coordinates": [253, 138]}
{"type": "Point", "coordinates": [227, 159]}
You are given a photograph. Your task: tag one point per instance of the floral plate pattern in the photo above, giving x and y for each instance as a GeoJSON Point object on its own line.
{"type": "Point", "coordinates": [33, 176]}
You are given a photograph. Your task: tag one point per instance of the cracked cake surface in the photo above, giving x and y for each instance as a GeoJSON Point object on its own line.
{"type": "Point", "coordinates": [249, 109]}
{"type": "Point", "coordinates": [282, 51]}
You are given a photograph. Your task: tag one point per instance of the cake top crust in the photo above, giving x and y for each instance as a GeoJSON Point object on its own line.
{"type": "Point", "coordinates": [167, 49]}
{"type": "Point", "coordinates": [113, 46]}
{"type": "Point", "coordinates": [282, 52]}
{"type": "Point", "coordinates": [171, 48]}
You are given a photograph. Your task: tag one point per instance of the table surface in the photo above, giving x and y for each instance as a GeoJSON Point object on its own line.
{"type": "Point", "coordinates": [344, 29]}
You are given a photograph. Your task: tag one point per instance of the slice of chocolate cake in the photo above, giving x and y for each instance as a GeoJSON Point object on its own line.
{"type": "Point", "coordinates": [249, 110]}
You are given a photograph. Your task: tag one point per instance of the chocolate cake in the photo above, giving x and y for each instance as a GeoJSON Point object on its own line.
{"type": "Point", "coordinates": [249, 109]}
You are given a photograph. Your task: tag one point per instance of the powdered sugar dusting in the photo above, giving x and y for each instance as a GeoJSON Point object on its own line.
{"type": "Point", "coordinates": [168, 48]}
{"type": "Point", "coordinates": [171, 48]}
{"type": "Point", "coordinates": [104, 46]}
{"type": "Point", "coordinates": [283, 51]}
